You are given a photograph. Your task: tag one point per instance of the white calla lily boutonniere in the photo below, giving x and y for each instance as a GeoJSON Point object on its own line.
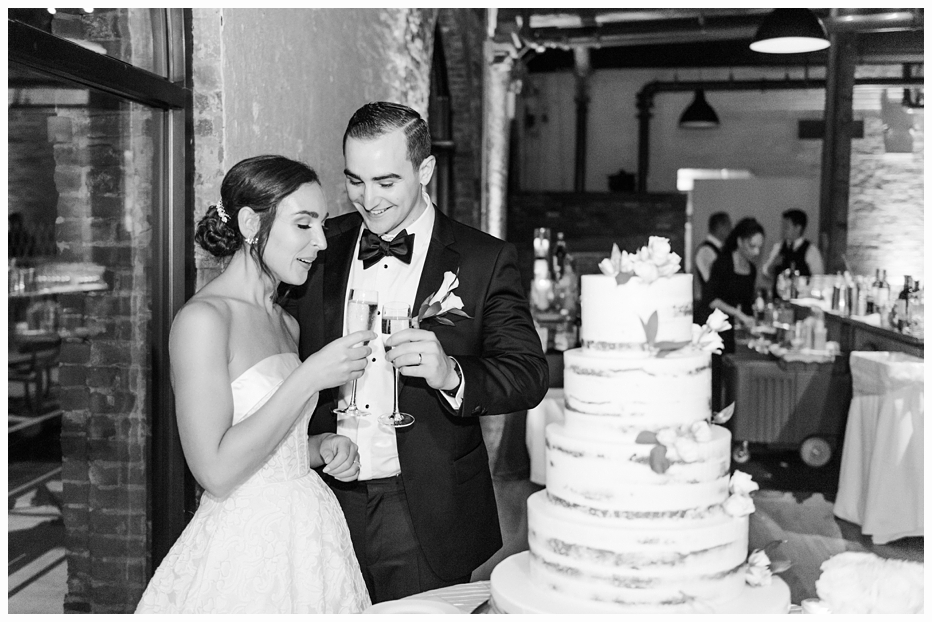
{"type": "Point", "coordinates": [443, 301]}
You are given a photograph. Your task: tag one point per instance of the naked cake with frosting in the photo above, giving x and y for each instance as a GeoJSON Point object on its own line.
{"type": "Point", "coordinates": [640, 513]}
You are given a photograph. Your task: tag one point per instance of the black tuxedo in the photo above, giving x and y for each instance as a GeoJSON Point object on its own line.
{"type": "Point", "coordinates": [444, 462]}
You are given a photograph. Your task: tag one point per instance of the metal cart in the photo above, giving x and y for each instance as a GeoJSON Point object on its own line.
{"type": "Point", "coordinates": [787, 405]}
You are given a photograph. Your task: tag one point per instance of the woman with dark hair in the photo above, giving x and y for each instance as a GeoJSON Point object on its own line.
{"type": "Point", "coordinates": [268, 535]}
{"type": "Point", "coordinates": [731, 288]}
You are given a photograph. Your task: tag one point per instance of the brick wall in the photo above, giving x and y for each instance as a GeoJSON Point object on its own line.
{"type": "Point", "coordinates": [886, 205]}
{"type": "Point", "coordinates": [103, 161]}
{"type": "Point", "coordinates": [463, 34]}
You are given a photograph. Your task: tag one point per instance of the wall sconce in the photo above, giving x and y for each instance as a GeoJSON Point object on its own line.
{"type": "Point", "coordinates": [787, 31]}
{"type": "Point", "coordinates": [699, 114]}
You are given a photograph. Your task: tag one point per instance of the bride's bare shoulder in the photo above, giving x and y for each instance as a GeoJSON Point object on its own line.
{"type": "Point", "coordinates": [203, 316]}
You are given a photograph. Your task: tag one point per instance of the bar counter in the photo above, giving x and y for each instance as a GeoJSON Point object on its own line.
{"type": "Point", "coordinates": [855, 335]}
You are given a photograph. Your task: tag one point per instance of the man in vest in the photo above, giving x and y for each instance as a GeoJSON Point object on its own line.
{"type": "Point", "coordinates": [794, 252]}
{"type": "Point", "coordinates": [706, 253]}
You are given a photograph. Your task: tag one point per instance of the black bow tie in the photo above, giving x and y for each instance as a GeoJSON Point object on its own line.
{"type": "Point", "coordinates": [372, 247]}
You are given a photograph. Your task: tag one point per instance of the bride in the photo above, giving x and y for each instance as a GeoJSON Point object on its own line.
{"type": "Point", "coordinates": [268, 535]}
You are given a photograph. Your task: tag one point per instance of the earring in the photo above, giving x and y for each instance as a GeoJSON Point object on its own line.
{"type": "Point", "coordinates": [252, 241]}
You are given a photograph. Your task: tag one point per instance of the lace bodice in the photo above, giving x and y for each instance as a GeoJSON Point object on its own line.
{"type": "Point", "coordinates": [250, 392]}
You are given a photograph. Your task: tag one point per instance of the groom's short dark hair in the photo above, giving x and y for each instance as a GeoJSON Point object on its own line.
{"type": "Point", "coordinates": [377, 119]}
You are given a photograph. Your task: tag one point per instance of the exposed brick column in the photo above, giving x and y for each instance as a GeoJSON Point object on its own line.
{"type": "Point", "coordinates": [103, 174]}
{"type": "Point", "coordinates": [463, 37]}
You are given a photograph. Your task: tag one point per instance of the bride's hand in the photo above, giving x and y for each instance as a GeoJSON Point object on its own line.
{"type": "Point", "coordinates": [341, 457]}
{"type": "Point", "coordinates": [340, 361]}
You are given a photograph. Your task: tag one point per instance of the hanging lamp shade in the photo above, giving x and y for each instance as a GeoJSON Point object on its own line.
{"type": "Point", "coordinates": [699, 114]}
{"type": "Point", "coordinates": [787, 31]}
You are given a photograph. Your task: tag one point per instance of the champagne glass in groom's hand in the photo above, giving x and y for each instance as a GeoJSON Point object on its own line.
{"type": "Point", "coordinates": [396, 316]}
{"type": "Point", "coordinates": [360, 316]}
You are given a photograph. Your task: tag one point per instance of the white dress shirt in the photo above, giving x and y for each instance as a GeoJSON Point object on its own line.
{"type": "Point", "coordinates": [813, 257]}
{"type": "Point", "coordinates": [394, 281]}
{"type": "Point", "coordinates": [705, 256]}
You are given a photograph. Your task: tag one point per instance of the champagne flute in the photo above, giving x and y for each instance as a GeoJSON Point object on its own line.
{"type": "Point", "coordinates": [396, 316]}
{"type": "Point", "coordinates": [360, 316]}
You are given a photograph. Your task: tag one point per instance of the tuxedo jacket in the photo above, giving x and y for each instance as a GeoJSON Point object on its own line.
{"type": "Point", "coordinates": [444, 462]}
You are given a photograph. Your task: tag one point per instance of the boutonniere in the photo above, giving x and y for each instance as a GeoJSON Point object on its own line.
{"type": "Point", "coordinates": [443, 301]}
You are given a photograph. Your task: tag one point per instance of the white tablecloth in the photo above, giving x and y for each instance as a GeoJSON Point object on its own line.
{"type": "Point", "coordinates": [880, 485]}
{"type": "Point", "coordinates": [549, 411]}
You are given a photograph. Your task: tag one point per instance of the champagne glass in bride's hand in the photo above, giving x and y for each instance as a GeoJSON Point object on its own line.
{"type": "Point", "coordinates": [396, 316]}
{"type": "Point", "coordinates": [360, 316]}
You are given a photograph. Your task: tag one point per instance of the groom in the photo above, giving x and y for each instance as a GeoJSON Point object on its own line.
{"type": "Point", "coordinates": [422, 514]}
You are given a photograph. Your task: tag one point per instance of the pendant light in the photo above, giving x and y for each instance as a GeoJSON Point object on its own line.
{"type": "Point", "coordinates": [787, 31]}
{"type": "Point", "coordinates": [699, 114]}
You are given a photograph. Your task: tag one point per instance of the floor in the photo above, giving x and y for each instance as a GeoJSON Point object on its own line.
{"type": "Point", "coordinates": [794, 505]}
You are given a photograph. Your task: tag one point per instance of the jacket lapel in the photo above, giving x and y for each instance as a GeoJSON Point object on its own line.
{"type": "Point", "coordinates": [441, 257]}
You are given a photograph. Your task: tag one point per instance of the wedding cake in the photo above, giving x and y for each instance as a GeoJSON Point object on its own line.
{"type": "Point", "coordinates": [640, 513]}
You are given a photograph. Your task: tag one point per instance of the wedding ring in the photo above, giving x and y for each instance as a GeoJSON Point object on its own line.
{"type": "Point", "coordinates": [418, 359]}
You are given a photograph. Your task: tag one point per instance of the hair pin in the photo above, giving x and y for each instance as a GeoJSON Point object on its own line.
{"type": "Point", "coordinates": [224, 217]}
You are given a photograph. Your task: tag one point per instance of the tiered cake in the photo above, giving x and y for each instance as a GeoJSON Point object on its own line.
{"type": "Point", "coordinates": [640, 513]}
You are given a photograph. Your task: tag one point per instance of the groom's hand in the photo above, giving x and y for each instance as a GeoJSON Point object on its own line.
{"type": "Point", "coordinates": [341, 457]}
{"type": "Point", "coordinates": [418, 353]}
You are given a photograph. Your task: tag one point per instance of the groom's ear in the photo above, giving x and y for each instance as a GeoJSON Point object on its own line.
{"type": "Point", "coordinates": [426, 170]}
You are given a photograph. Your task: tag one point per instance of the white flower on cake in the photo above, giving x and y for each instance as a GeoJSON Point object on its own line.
{"type": "Point", "coordinates": [738, 505]}
{"type": "Point", "coordinates": [759, 569]}
{"type": "Point", "coordinates": [706, 337]}
{"type": "Point", "coordinates": [758, 572]}
{"type": "Point", "coordinates": [742, 484]}
{"type": "Point", "coordinates": [701, 431]}
{"type": "Point", "coordinates": [718, 321]}
{"type": "Point", "coordinates": [862, 582]}
{"type": "Point", "coordinates": [653, 261]}
{"type": "Point", "coordinates": [687, 449]}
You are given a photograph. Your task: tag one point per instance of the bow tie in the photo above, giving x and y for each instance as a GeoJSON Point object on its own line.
{"type": "Point", "coordinates": [372, 247]}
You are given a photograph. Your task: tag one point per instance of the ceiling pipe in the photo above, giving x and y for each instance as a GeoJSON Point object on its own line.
{"type": "Point", "coordinates": [645, 102]}
{"type": "Point", "coordinates": [688, 31]}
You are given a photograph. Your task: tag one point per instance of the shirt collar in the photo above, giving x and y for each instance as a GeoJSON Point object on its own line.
{"type": "Point", "coordinates": [714, 240]}
{"type": "Point", "coordinates": [422, 227]}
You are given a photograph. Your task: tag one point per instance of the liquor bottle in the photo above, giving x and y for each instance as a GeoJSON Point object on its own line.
{"type": "Point", "coordinates": [871, 294]}
{"type": "Point", "coordinates": [882, 294]}
{"type": "Point", "coordinates": [559, 257]}
{"type": "Point", "coordinates": [902, 304]}
{"type": "Point", "coordinates": [916, 311]}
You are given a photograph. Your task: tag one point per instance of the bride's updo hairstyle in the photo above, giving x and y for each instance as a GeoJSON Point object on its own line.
{"type": "Point", "coordinates": [260, 183]}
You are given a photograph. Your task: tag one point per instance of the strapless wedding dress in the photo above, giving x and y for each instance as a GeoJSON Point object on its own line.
{"type": "Point", "coordinates": [277, 543]}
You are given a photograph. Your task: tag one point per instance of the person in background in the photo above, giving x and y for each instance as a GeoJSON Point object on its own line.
{"type": "Point", "coordinates": [706, 253]}
{"type": "Point", "coordinates": [268, 535]}
{"type": "Point", "coordinates": [793, 251]}
{"type": "Point", "coordinates": [422, 513]}
{"type": "Point", "coordinates": [731, 289]}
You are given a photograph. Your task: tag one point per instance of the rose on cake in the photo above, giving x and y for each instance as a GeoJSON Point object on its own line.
{"type": "Point", "coordinates": [760, 568]}
{"type": "Point", "coordinates": [758, 572]}
{"type": "Point", "coordinates": [653, 261]}
{"type": "Point", "coordinates": [862, 582]}
{"type": "Point", "coordinates": [706, 337]}
{"type": "Point", "coordinates": [739, 503]}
